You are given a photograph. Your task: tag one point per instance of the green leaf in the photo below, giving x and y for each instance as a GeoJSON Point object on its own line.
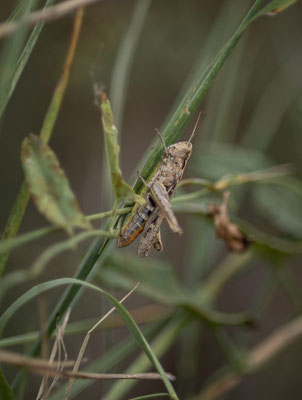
{"type": "Point", "coordinates": [194, 96]}
{"type": "Point", "coordinates": [160, 345]}
{"type": "Point", "coordinates": [281, 206]}
{"type": "Point", "coordinates": [122, 191]}
{"type": "Point", "coordinates": [129, 321]}
{"type": "Point", "coordinates": [5, 390]}
{"type": "Point", "coordinates": [173, 130]}
{"type": "Point", "coordinates": [275, 7]}
{"type": "Point", "coordinates": [159, 282]}
{"type": "Point", "coordinates": [221, 160]}
{"type": "Point", "coordinates": [157, 278]}
{"type": "Point", "coordinates": [49, 186]}
{"type": "Point", "coordinates": [20, 205]}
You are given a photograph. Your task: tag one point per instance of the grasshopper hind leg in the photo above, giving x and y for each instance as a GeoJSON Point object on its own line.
{"type": "Point", "coordinates": [158, 244]}
{"type": "Point", "coordinates": [151, 235]}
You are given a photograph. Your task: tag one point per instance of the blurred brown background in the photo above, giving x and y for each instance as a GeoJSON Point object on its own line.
{"type": "Point", "coordinates": [175, 32]}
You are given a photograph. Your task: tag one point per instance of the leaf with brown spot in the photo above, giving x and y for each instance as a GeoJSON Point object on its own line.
{"type": "Point", "coordinates": [49, 186]}
{"type": "Point", "coordinates": [122, 191]}
{"type": "Point", "coordinates": [225, 229]}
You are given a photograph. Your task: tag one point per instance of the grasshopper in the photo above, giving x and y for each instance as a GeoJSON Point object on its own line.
{"type": "Point", "coordinates": [158, 193]}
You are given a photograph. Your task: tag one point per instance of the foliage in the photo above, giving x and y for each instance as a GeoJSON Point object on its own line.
{"type": "Point", "coordinates": [229, 174]}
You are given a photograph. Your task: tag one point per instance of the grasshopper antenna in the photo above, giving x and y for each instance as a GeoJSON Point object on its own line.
{"type": "Point", "coordinates": [197, 124]}
{"type": "Point", "coordinates": [161, 138]}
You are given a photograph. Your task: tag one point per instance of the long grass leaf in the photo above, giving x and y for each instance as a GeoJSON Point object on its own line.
{"type": "Point", "coordinates": [98, 250]}
{"type": "Point", "coordinates": [10, 56]}
{"type": "Point", "coordinates": [129, 321]}
{"type": "Point", "coordinates": [22, 61]}
{"type": "Point", "coordinates": [124, 60]}
{"type": "Point", "coordinates": [191, 101]}
{"type": "Point", "coordinates": [160, 346]}
{"type": "Point", "coordinates": [19, 207]}
{"type": "Point", "coordinates": [151, 396]}
{"type": "Point", "coordinates": [109, 360]}
{"type": "Point", "coordinates": [5, 390]}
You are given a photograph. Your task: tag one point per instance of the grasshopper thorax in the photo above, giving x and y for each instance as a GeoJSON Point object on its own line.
{"type": "Point", "coordinates": [180, 150]}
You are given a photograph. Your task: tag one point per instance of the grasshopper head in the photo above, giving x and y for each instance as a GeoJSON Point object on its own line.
{"type": "Point", "coordinates": [180, 150]}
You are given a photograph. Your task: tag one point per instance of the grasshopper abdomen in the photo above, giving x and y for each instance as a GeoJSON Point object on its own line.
{"type": "Point", "coordinates": [135, 225]}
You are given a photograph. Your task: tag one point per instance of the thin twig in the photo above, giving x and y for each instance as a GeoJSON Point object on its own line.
{"type": "Point", "coordinates": [57, 98]}
{"type": "Point", "coordinates": [91, 375]}
{"type": "Point", "coordinates": [12, 243]}
{"type": "Point", "coordinates": [19, 360]}
{"type": "Point", "coordinates": [42, 307]}
{"type": "Point", "coordinates": [142, 315]}
{"type": "Point", "coordinates": [43, 367]}
{"type": "Point", "coordinates": [55, 12]}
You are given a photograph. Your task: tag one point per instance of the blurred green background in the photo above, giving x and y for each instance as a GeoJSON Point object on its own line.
{"type": "Point", "coordinates": [254, 120]}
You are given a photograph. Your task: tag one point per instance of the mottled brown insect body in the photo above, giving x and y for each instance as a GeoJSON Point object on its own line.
{"type": "Point", "coordinates": [136, 224]}
{"type": "Point", "coordinates": [158, 193]}
{"type": "Point", "coordinates": [161, 188]}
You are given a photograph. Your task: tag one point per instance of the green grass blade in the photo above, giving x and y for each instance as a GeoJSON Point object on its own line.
{"type": "Point", "coordinates": [172, 132]}
{"type": "Point", "coordinates": [10, 244]}
{"type": "Point", "coordinates": [160, 346]}
{"type": "Point", "coordinates": [99, 248]}
{"type": "Point", "coordinates": [275, 7]}
{"type": "Point", "coordinates": [120, 82]}
{"type": "Point", "coordinates": [129, 321]}
{"type": "Point", "coordinates": [20, 276]}
{"type": "Point", "coordinates": [86, 270]}
{"type": "Point", "coordinates": [122, 190]}
{"type": "Point", "coordinates": [109, 360]}
{"type": "Point", "coordinates": [151, 396]}
{"type": "Point", "coordinates": [271, 107]}
{"type": "Point", "coordinates": [5, 391]}
{"type": "Point", "coordinates": [24, 57]}
{"type": "Point", "coordinates": [124, 60]}
{"type": "Point", "coordinates": [10, 56]}
{"type": "Point", "coordinates": [73, 328]}
{"type": "Point", "coordinates": [16, 215]}
{"type": "Point", "coordinates": [221, 103]}
{"type": "Point", "coordinates": [201, 243]}
{"type": "Point", "coordinates": [193, 97]}
{"type": "Point", "coordinates": [198, 90]}
{"type": "Point", "coordinates": [19, 10]}
{"type": "Point", "coordinates": [14, 221]}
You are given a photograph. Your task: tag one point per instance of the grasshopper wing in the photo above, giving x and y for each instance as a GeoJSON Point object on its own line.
{"type": "Point", "coordinates": [163, 201]}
